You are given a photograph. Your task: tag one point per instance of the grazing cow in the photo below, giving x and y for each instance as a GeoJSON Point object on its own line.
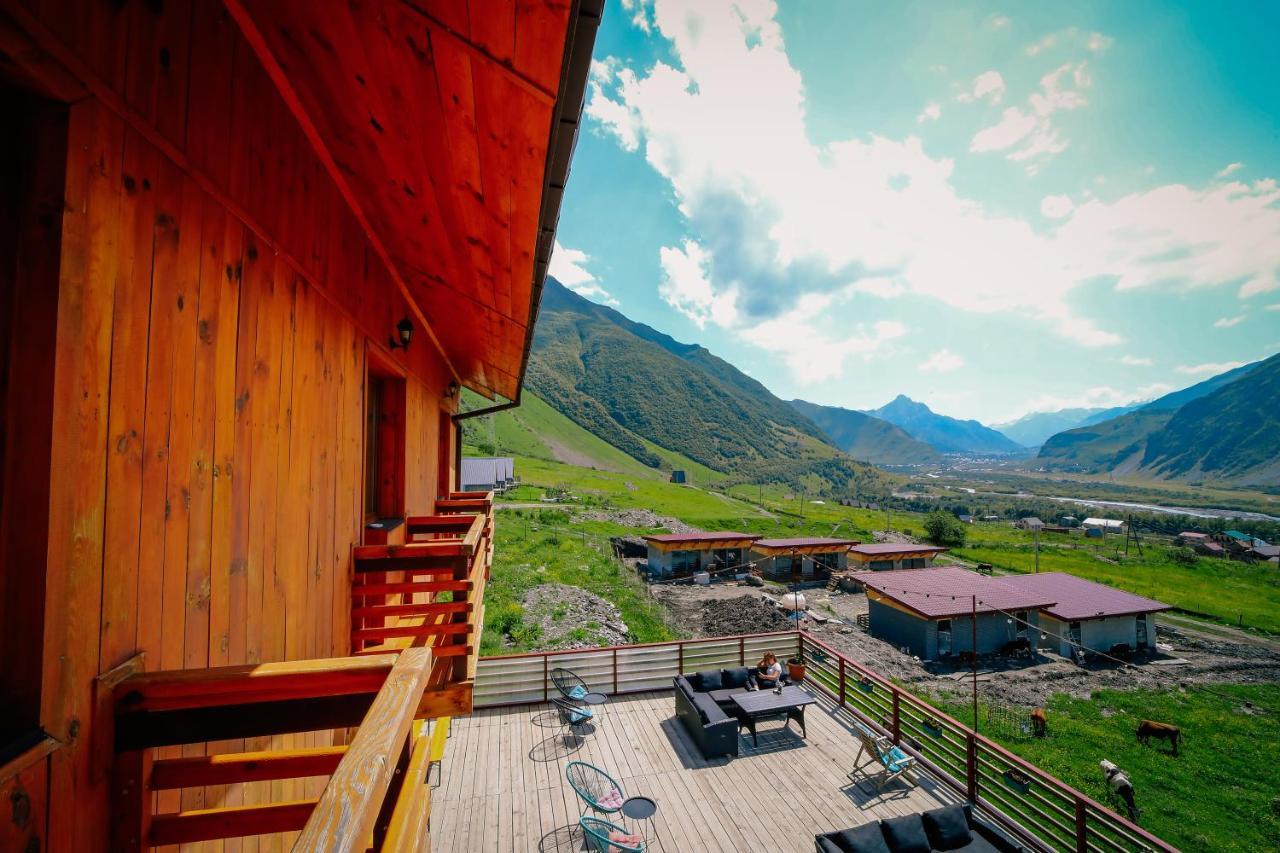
{"type": "Point", "coordinates": [1039, 723]}
{"type": "Point", "coordinates": [1148, 729]}
{"type": "Point", "coordinates": [1020, 646]}
{"type": "Point", "coordinates": [1121, 787]}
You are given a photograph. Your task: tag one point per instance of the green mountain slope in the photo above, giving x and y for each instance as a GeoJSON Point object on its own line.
{"type": "Point", "coordinates": [1220, 428]}
{"type": "Point", "coordinates": [868, 438]}
{"type": "Point", "coordinates": [945, 434]}
{"type": "Point", "coordinates": [631, 386]}
{"type": "Point", "coordinates": [1232, 433]}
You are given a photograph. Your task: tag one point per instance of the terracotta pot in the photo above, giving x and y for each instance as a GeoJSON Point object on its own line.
{"type": "Point", "coordinates": [796, 672]}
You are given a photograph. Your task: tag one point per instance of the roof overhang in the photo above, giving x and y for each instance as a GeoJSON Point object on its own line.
{"type": "Point", "coordinates": [698, 544]}
{"type": "Point", "coordinates": [449, 131]}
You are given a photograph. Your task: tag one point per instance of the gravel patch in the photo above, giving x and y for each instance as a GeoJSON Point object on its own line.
{"type": "Point", "coordinates": [573, 618]}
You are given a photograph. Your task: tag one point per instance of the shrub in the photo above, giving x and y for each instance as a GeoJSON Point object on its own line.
{"type": "Point", "coordinates": [945, 529]}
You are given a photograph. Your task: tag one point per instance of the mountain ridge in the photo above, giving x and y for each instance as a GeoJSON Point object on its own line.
{"type": "Point", "coordinates": [942, 432]}
{"type": "Point", "coordinates": [867, 437]}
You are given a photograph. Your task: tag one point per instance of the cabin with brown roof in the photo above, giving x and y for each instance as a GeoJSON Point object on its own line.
{"type": "Point", "coordinates": [674, 555]}
{"type": "Point", "coordinates": [801, 559]}
{"type": "Point", "coordinates": [251, 251]}
{"type": "Point", "coordinates": [888, 556]}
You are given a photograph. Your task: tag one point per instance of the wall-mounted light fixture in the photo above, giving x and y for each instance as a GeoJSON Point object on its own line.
{"type": "Point", "coordinates": [404, 331]}
{"type": "Point", "coordinates": [453, 389]}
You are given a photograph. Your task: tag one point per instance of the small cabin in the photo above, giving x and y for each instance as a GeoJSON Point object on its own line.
{"type": "Point", "coordinates": [889, 556]}
{"type": "Point", "coordinates": [800, 559]}
{"type": "Point", "coordinates": [1089, 615]}
{"type": "Point", "coordinates": [684, 554]}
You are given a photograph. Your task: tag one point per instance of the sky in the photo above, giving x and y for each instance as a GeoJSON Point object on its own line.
{"type": "Point", "coordinates": [993, 208]}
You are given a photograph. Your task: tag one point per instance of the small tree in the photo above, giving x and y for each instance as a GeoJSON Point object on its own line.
{"type": "Point", "coordinates": [945, 529]}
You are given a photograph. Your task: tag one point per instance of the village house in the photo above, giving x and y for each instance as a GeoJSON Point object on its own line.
{"type": "Point", "coordinates": [1029, 523]}
{"type": "Point", "coordinates": [487, 474]}
{"type": "Point", "coordinates": [800, 559]}
{"type": "Point", "coordinates": [1189, 537]}
{"type": "Point", "coordinates": [931, 612]}
{"type": "Point", "coordinates": [682, 554]}
{"type": "Point", "coordinates": [886, 556]}
{"type": "Point", "coordinates": [1106, 525]}
{"type": "Point", "coordinates": [1089, 615]}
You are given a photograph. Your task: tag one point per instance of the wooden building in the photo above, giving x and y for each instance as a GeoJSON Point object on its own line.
{"type": "Point", "coordinates": [887, 556]}
{"type": "Point", "coordinates": [805, 558]}
{"type": "Point", "coordinates": [682, 554]}
{"type": "Point", "coordinates": [252, 249]}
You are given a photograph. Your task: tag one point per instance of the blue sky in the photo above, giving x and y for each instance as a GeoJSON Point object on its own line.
{"type": "Point", "coordinates": [993, 208]}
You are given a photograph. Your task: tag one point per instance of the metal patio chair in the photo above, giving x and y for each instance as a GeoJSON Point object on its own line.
{"type": "Point", "coordinates": [596, 833]}
{"type": "Point", "coordinates": [601, 792]}
{"type": "Point", "coordinates": [570, 685]}
{"type": "Point", "coordinates": [574, 715]}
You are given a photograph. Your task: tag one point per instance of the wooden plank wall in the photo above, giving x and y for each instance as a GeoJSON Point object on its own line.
{"type": "Point", "coordinates": [216, 302]}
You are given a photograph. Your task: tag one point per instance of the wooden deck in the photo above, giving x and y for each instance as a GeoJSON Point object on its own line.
{"type": "Point", "coordinates": [502, 787]}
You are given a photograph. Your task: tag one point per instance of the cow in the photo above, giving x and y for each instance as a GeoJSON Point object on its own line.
{"type": "Point", "coordinates": [1019, 647]}
{"type": "Point", "coordinates": [1121, 787]}
{"type": "Point", "coordinates": [1148, 729]}
{"type": "Point", "coordinates": [1039, 723]}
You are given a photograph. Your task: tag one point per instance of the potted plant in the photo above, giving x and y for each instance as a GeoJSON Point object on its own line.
{"type": "Point", "coordinates": [932, 726]}
{"type": "Point", "coordinates": [796, 669]}
{"type": "Point", "coordinates": [1017, 780]}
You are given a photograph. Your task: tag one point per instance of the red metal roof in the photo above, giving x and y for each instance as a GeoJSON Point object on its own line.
{"type": "Point", "coordinates": [716, 536]}
{"type": "Point", "coordinates": [804, 542]}
{"type": "Point", "coordinates": [1076, 599]}
{"type": "Point", "coordinates": [874, 548]}
{"type": "Point", "coordinates": [949, 591]}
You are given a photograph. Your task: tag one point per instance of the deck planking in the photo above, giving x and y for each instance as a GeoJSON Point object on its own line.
{"type": "Point", "coordinates": [501, 786]}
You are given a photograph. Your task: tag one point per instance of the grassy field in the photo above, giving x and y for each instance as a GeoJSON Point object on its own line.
{"type": "Point", "coordinates": [1218, 794]}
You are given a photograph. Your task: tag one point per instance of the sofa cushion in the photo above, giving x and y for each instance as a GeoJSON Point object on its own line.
{"type": "Point", "coordinates": [709, 680]}
{"type": "Point", "coordinates": [905, 834]}
{"type": "Point", "coordinates": [864, 839]}
{"type": "Point", "coordinates": [826, 845]}
{"type": "Point", "coordinates": [708, 710]}
{"type": "Point", "coordinates": [947, 828]}
{"type": "Point", "coordinates": [978, 844]}
{"type": "Point", "coordinates": [735, 678]}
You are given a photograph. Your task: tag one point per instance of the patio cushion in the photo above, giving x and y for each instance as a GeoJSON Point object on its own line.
{"type": "Point", "coordinates": [978, 844]}
{"type": "Point", "coordinates": [577, 691]}
{"type": "Point", "coordinates": [947, 828]}
{"type": "Point", "coordinates": [709, 680]}
{"type": "Point", "coordinates": [734, 677]}
{"type": "Point", "coordinates": [826, 845]}
{"type": "Point", "coordinates": [864, 839]}
{"type": "Point", "coordinates": [611, 800]}
{"type": "Point", "coordinates": [905, 834]}
{"type": "Point", "coordinates": [708, 710]}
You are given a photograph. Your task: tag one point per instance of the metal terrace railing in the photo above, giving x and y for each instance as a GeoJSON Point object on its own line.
{"type": "Point", "coordinates": [1042, 810]}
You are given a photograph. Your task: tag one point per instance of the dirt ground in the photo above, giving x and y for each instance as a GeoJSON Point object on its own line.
{"type": "Point", "coordinates": [1185, 656]}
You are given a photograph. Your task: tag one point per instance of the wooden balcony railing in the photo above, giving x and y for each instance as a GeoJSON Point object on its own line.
{"type": "Point", "coordinates": [430, 590]}
{"type": "Point", "coordinates": [376, 796]}
{"type": "Point", "coordinates": [1048, 815]}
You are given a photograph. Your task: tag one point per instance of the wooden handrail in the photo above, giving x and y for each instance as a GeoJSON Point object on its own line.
{"type": "Point", "coordinates": [344, 817]}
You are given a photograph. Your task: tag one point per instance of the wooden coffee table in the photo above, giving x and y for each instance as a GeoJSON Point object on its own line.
{"type": "Point", "coordinates": [763, 704]}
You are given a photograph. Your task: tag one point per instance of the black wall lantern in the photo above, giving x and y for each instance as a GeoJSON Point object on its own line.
{"type": "Point", "coordinates": [404, 331]}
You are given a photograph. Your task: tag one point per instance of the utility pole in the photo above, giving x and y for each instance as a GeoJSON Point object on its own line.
{"type": "Point", "coordinates": [973, 657]}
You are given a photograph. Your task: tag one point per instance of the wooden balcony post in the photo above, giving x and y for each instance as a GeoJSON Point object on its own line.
{"type": "Point", "coordinates": [546, 677]}
{"type": "Point", "coordinates": [615, 671]}
{"type": "Point", "coordinates": [742, 651]}
{"type": "Point", "coordinates": [680, 658]}
{"type": "Point", "coordinates": [131, 801]}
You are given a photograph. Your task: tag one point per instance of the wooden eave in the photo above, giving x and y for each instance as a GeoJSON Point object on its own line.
{"type": "Point", "coordinates": [700, 544]}
{"type": "Point", "coordinates": [442, 122]}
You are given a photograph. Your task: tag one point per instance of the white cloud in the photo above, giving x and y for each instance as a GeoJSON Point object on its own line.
{"type": "Point", "coordinates": [613, 115]}
{"type": "Point", "coordinates": [1229, 169]}
{"type": "Point", "coordinates": [1209, 368]}
{"type": "Point", "coordinates": [1228, 322]}
{"type": "Point", "coordinates": [811, 354]}
{"type": "Point", "coordinates": [1056, 206]}
{"type": "Point", "coordinates": [569, 267]}
{"type": "Point", "coordinates": [1000, 22]}
{"type": "Point", "coordinates": [1092, 41]}
{"type": "Point", "coordinates": [885, 288]}
{"type": "Point", "coordinates": [773, 218]}
{"type": "Point", "coordinates": [686, 288]}
{"type": "Point", "coordinates": [942, 361]}
{"type": "Point", "coordinates": [640, 13]}
{"type": "Point", "coordinates": [1027, 132]}
{"type": "Point", "coordinates": [1275, 306]}
{"type": "Point", "coordinates": [988, 86]}
{"type": "Point", "coordinates": [931, 112]}
{"type": "Point", "coordinates": [1135, 361]}
{"type": "Point", "coordinates": [1097, 397]}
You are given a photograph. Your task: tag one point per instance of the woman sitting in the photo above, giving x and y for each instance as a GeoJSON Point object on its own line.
{"type": "Point", "coordinates": [768, 671]}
